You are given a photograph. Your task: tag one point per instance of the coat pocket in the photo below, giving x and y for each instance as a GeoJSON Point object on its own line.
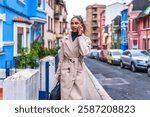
{"type": "Point", "coordinates": [65, 79]}
{"type": "Point", "coordinates": [65, 75]}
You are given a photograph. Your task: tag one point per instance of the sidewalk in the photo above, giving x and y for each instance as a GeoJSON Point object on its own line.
{"type": "Point", "coordinates": [95, 90]}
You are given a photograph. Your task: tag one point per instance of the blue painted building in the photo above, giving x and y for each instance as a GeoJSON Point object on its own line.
{"type": "Point", "coordinates": [21, 21]}
{"type": "Point", "coordinates": [124, 26]}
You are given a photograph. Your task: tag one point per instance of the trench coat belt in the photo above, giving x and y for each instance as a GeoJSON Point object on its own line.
{"type": "Point", "coordinates": [74, 67]}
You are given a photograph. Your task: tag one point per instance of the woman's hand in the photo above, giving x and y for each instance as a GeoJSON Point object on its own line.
{"type": "Point", "coordinates": [80, 30]}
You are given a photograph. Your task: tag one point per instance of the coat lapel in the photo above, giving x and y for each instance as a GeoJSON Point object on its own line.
{"type": "Point", "coordinates": [68, 43]}
{"type": "Point", "coordinates": [72, 45]}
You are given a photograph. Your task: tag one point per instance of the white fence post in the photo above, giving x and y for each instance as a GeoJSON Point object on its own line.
{"type": "Point", "coordinates": [23, 85]}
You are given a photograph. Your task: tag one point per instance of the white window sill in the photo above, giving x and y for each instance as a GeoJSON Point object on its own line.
{"type": "Point", "coordinates": [9, 43]}
{"type": "Point", "coordinates": [22, 2]}
{"type": "Point", "coordinates": [41, 10]}
{"type": "Point", "coordinates": [2, 53]}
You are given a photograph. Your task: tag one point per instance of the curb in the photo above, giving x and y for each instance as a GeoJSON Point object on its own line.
{"type": "Point", "coordinates": [100, 90]}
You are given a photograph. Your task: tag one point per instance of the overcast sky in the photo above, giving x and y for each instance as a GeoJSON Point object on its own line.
{"type": "Point", "coordinates": [78, 7]}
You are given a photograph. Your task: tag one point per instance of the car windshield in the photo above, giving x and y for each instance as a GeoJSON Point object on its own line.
{"type": "Point", "coordinates": [140, 53]}
{"type": "Point", "coordinates": [116, 53]}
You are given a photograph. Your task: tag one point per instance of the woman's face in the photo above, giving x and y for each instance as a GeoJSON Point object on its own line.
{"type": "Point", "coordinates": [75, 23]}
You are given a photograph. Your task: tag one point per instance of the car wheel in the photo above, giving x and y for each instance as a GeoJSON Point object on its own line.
{"type": "Point", "coordinates": [148, 71]}
{"type": "Point", "coordinates": [121, 64]}
{"type": "Point", "coordinates": [107, 61]}
{"type": "Point", "coordinates": [112, 62]}
{"type": "Point", "coordinates": [133, 68]}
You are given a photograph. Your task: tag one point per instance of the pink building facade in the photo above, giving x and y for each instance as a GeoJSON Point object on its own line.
{"type": "Point", "coordinates": [138, 32]}
{"type": "Point", "coordinates": [144, 32]}
{"type": "Point", "coordinates": [132, 34]}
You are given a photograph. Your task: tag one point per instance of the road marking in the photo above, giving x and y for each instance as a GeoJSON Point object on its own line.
{"type": "Point", "coordinates": [113, 81]}
{"type": "Point", "coordinates": [138, 74]}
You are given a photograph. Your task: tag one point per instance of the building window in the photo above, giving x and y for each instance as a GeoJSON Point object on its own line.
{"type": "Point", "coordinates": [2, 19]}
{"type": "Point", "coordinates": [149, 22]}
{"type": "Point", "coordinates": [50, 3]}
{"type": "Point", "coordinates": [21, 37]}
{"type": "Point", "coordinates": [40, 4]}
{"type": "Point", "coordinates": [60, 9]}
{"type": "Point", "coordinates": [94, 15]}
{"type": "Point", "coordinates": [94, 9]}
{"type": "Point", "coordinates": [146, 22]}
{"type": "Point", "coordinates": [134, 28]}
{"type": "Point", "coordinates": [144, 44]}
{"type": "Point", "coordinates": [61, 27]}
{"type": "Point", "coordinates": [135, 44]}
{"type": "Point", "coordinates": [22, 1]}
{"type": "Point", "coordinates": [49, 24]}
{"type": "Point", "coordinates": [49, 44]}
{"type": "Point", "coordinates": [1, 37]}
{"type": "Point", "coordinates": [94, 29]}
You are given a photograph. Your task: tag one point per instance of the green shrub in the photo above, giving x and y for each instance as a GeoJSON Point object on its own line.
{"type": "Point", "coordinates": [37, 52]}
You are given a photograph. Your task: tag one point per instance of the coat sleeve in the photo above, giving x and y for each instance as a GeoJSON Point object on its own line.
{"type": "Point", "coordinates": [84, 45]}
{"type": "Point", "coordinates": [61, 58]}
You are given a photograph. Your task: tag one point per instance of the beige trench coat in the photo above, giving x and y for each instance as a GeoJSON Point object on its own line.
{"type": "Point", "coordinates": [71, 67]}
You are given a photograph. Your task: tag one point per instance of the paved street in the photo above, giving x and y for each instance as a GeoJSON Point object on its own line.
{"type": "Point", "coordinates": [120, 84]}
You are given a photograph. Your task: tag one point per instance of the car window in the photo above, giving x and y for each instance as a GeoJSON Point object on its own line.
{"type": "Point", "coordinates": [140, 53]}
{"type": "Point", "coordinates": [145, 53]}
{"type": "Point", "coordinates": [125, 53]}
{"type": "Point", "coordinates": [117, 53]}
{"type": "Point", "coordinates": [128, 53]}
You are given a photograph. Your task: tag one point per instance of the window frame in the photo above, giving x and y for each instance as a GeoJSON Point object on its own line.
{"type": "Point", "coordinates": [2, 19]}
{"type": "Point", "coordinates": [25, 36]}
{"type": "Point", "coordinates": [49, 23]}
{"type": "Point", "coordinates": [133, 45]}
{"type": "Point", "coordinates": [1, 36]}
{"type": "Point", "coordinates": [22, 1]}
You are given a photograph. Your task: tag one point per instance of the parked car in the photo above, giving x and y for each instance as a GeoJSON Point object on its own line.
{"type": "Point", "coordinates": [92, 53]}
{"type": "Point", "coordinates": [113, 56]}
{"type": "Point", "coordinates": [103, 55]}
{"type": "Point", "coordinates": [148, 68]}
{"type": "Point", "coordinates": [135, 59]}
{"type": "Point", "coordinates": [95, 54]}
{"type": "Point", "coordinates": [98, 54]}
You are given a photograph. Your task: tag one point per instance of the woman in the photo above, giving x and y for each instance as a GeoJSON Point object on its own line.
{"type": "Point", "coordinates": [71, 65]}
